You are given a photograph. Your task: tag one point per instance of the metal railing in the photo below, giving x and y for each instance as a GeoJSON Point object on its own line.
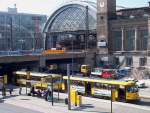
{"type": "Point", "coordinates": [21, 52]}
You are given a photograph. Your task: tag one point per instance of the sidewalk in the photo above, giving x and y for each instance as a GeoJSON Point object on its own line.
{"type": "Point", "coordinates": [90, 105]}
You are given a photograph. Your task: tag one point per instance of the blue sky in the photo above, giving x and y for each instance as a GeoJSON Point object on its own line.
{"type": "Point", "coordinates": [48, 6]}
{"type": "Point", "coordinates": [132, 3]}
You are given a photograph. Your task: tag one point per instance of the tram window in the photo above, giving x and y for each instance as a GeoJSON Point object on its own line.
{"type": "Point", "coordinates": [84, 67]}
{"type": "Point", "coordinates": [113, 86]}
{"type": "Point", "coordinates": [78, 83]}
{"type": "Point", "coordinates": [105, 86]}
{"type": "Point", "coordinates": [109, 87]}
{"type": "Point", "coordinates": [21, 77]}
{"type": "Point", "coordinates": [132, 89]}
{"type": "Point", "coordinates": [74, 82]}
{"type": "Point", "coordinates": [97, 85]}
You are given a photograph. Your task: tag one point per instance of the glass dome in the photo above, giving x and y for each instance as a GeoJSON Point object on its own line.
{"type": "Point", "coordinates": [72, 17]}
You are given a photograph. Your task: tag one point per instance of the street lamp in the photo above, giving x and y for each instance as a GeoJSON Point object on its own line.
{"type": "Point", "coordinates": [71, 37]}
{"type": "Point", "coordinates": [68, 86]}
{"type": "Point", "coordinates": [44, 40]}
{"type": "Point", "coordinates": [11, 34]}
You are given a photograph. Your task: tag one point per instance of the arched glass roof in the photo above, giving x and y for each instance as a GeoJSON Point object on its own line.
{"type": "Point", "coordinates": [72, 17]}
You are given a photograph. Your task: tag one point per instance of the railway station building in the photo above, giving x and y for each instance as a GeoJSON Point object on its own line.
{"type": "Point", "coordinates": [20, 31]}
{"type": "Point", "coordinates": [118, 36]}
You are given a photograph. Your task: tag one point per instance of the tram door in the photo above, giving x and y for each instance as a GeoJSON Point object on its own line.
{"type": "Point", "coordinates": [122, 93]}
{"type": "Point", "coordinates": [88, 88]}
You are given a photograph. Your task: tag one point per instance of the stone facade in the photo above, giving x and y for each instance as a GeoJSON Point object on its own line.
{"type": "Point", "coordinates": [125, 31]}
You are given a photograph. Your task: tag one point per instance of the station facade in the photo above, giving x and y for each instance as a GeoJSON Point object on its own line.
{"type": "Point", "coordinates": [123, 34]}
{"type": "Point", "coordinates": [115, 36]}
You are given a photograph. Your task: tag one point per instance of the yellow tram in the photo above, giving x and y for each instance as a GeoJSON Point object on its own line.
{"type": "Point", "coordinates": [38, 80]}
{"type": "Point", "coordinates": [123, 90]}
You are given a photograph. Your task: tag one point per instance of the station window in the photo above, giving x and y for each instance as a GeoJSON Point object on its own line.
{"type": "Point", "coordinates": [142, 40]}
{"type": "Point", "coordinates": [117, 42]}
{"type": "Point", "coordinates": [129, 40]}
{"type": "Point", "coordinates": [143, 61]}
{"type": "Point", "coordinates": [129, 61]}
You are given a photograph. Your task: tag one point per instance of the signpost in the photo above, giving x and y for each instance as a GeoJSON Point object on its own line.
{"type": "Point", "coordinates": [52, 90]}
{"type": "Point", "coordinates": [68, 83]}
{"type": "Point", "coordinates": [111, 98]}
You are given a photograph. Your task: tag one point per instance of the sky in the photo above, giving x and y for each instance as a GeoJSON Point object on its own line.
{"type": "Point", "coordinates": [48, 6]}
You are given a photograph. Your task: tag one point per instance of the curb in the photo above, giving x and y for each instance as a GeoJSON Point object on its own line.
{"type": "Point", "coordinates": [145, 97]}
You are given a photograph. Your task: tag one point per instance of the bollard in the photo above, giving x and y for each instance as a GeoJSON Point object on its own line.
{"type": "Point", "coordinates": [73, 97]}
{"type": "Point", "coordinates": [79, 100]}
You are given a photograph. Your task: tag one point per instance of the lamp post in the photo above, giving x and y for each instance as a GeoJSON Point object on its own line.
{"type": "Point", "coordinates": [87, 27]}
{"type": "Point", "coordinates": [11, 34]}
{"type": "Point", "coordinates": [44, 40]}
{"type": "Point", "coordinates": [68, 84]}
{"type": "Point", "coordinates": [21, 42]}
{"type": "Point", "coordinates": [111, 98]}
{"type": "Point", "coordinates": [72, 61]}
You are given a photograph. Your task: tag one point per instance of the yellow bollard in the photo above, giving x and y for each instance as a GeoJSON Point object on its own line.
{"type": "Point", "coordinates": [113, 95]}
{"type": "Point", "coordinates": [79, 100]}
{"type": "Point", "coordinates": [5, 79]}
{"type": "Point", "coordinates": [73, 97]}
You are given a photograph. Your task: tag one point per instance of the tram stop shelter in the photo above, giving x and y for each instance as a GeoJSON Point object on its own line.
{"type": "Point", "coordinates": [39, 81]}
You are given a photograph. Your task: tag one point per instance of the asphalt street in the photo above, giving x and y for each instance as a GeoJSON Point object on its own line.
{"type": "Point", "coordinates": [8, 108]}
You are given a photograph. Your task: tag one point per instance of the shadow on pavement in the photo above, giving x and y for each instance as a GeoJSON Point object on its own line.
{"type": "Point", "coordinates": [24, 99]}
{"type": "Point", "coordinates": [1, 100]}
{"type": "Point", "coordinates": [6, 97]}
{"type": "Point", "coordinates": [59, 101]}
{"type": "Point", "coordinates": [10, 96]}
{"type": "Point", "coordinates": [87, 108]}
{"type": "Point", "coordinates": [142, 103]}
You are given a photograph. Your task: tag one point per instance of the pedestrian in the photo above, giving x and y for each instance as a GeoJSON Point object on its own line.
{"type": "Point", "coordinates": [20, 90]}
{"type": "Point", "coordinates": [32, 91]}
{"type": "Point", "coordinates": [3, 91]}
{"type": "Point", "coordinates": [11, 90]}
{"type": "Point", "coordinates": [39, 94]}
{"type": "Point", "coordinates": [46, 95]}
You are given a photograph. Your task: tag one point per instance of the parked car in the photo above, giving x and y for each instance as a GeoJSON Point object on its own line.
{"type": "Point", "coordinates": [141, 84]}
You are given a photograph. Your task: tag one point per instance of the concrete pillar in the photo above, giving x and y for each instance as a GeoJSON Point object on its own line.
{"type": "Point", "coordinates": [90, 59]}
{"type": "Point", "coordinates": [122, 60]}
{"type": "Point", "coordinates": [136, 36]}
{"type": "Point", "coordinates": [148, 61]}
{"type": "Point", "coordinates": [122, 30]}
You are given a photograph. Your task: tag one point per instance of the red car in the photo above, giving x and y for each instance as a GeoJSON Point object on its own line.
{"type": "Point", "coordinates": [107, 75]}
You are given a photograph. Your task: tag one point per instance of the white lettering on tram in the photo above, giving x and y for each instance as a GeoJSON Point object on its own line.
{"type": "Point", "coordinates": [102, 92]}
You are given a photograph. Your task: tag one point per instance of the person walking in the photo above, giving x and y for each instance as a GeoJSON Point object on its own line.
{"type": "Point", "coordinates": [3, 91]}
{"type": "Point", "coordinates": [10, 90]}
{"type": "Point", "coordinates": [20, 90]}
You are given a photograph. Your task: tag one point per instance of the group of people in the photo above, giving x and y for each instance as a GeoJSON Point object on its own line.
{"type": "Point", "coordinates": [46, 94]}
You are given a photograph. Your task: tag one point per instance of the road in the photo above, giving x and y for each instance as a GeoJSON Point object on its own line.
{"type": "Point", "coordinates": [8, 108]}
{"type": "Point", "coordinates": [28, 104]}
